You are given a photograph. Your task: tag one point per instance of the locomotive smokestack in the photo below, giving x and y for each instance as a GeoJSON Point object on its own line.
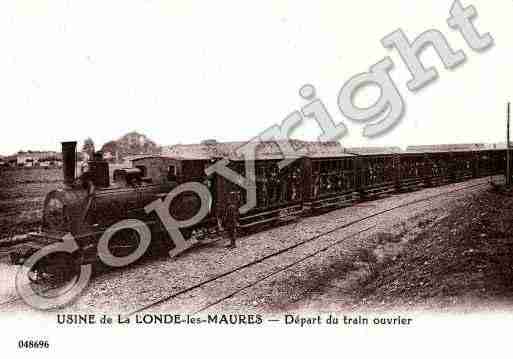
{"type": "Point", "coordinates": [69, 161]}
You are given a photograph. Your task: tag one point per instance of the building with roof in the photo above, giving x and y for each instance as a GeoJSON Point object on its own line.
{"type": "Point", "coordinates": [34, 159]}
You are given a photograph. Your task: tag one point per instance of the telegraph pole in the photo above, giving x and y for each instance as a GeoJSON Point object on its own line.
{"type": "Point", "coordinates": [508, 160]}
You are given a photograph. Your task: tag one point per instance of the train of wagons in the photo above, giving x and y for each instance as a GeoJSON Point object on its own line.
{"type": "Point", "coordinates": [326, 176]}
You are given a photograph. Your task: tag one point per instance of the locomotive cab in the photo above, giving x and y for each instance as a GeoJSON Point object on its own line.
{"type": "Point", "coordinates": [130, 177]}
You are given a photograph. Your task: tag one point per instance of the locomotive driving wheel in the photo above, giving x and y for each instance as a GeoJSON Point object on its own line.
{"type": "Point", "coordinates": [55, 269]}
{"type": "Point", "coordinates": [124, 243]}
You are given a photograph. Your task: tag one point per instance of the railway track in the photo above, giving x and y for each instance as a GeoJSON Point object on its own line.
{"type": "Point", "coordinates": [287, 249]}
{"type": "Point", "coordinates": [191, 288]}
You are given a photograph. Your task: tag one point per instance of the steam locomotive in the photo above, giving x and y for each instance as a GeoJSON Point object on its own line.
{"type": "Point", "coordinates": [324, 177]}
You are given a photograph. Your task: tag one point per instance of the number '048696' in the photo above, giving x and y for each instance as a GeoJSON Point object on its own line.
{"type": "Point", "coordinates": [33, 344]}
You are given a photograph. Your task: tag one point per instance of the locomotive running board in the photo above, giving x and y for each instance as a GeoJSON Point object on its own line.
{"type": "Point", "coordinates": [44, 238]}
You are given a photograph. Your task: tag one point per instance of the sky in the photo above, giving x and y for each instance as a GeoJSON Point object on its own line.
{"type": "Point", "coordinates": [185, 71]}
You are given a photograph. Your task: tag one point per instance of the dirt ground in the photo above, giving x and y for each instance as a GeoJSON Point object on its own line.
{"type": "Point", "coordinates": [464, 260]}
{"type": "Point", "coordinates": [22, 192]}
{"type": "Point", "coordinates": [453, 259]}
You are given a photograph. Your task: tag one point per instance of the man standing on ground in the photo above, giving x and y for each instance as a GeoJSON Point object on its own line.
{"type": "Point", "coordinates": [232, 218]}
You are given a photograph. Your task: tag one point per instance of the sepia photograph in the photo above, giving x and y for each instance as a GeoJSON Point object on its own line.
{"type": "Point", "coordinates": [293, 178]}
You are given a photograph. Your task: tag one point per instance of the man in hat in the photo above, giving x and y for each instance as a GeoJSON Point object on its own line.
{"type": "Point", "coordinates": [231, 220]}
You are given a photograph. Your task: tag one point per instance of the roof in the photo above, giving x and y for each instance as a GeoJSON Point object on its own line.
{"type": "Point", "coordinates": [265, 150]}
{"type": "Point", "coordinates": [140, 157]}
{"type": "Point", "coordinates": [10, 158]}
{"type": "Point", "coordinates": [373, 150]}
{"type": "Point", "coordinates": [447, 148]}
{"type": "Point", "coordinates": [326, 149]}
{"type": "Point", "coordinates": [496, 146]}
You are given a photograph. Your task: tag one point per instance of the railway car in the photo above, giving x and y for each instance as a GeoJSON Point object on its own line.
{"type": "Point", "coordinates": [438, 168]}
{"type": "Point", "coordinates": [319, 178]}
{"type": "Point", "coordinates": [450, 162]}
{"type": "Point", "coordinates": [491, 161]}
{"type": "Point", "coordinates": [435, 164]}
{"type": "Point", "coordinates": [330, 177]}
{"type": "Point", "coordinates": [463, 165]}
{"type": "Point", "coordinates": [376, 170]}
{"type": "Point", "coordinates": [414, 170]}
{"type": "Point", "coordinates": [278, 190]}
